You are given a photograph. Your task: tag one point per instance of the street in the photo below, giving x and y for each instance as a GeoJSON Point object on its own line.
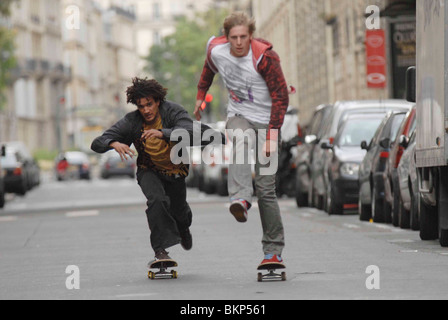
{"type": "Point", "coordinates": [100, 227]}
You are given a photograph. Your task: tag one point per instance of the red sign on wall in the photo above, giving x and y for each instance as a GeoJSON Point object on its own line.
{"type": "Point", "coordinates": [376, 58]}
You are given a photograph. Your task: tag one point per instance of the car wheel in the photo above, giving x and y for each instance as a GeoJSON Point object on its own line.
{"type": "Point", "coordinates": [301, 198]}
{"type": "Point", "coordinates": [415, 224]}
{"type": "Point", "coordinates": [333, 206]}
{"type": "Point", "coordinates": [365, 211]}
{"type": "Point", "coordinates": [404, 217]}
{"type": "Point", "coordinates": [395, 205]}
{"type": "Point", "coordinates": [442, 190]}
{"type": "Point", "coordinates": [2, 195]}
{"type": "Point", "coordinates": [429, 226]}
{"type": "Point", "coordinates": [377, 207]}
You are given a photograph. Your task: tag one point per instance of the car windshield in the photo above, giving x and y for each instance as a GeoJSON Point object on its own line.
{"type": "Point", "coordinates": [397, 121]}
{"type": "Point", "coordinates": [76, 158]}
{"type": "Point", "coordinates": [9, 160]}
{"type": "Point", "coordinates": [357, 130]}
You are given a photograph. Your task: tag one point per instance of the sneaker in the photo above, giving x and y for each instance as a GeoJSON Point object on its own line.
{"type": "Point", "coordinates": [186, 240]}
{"type": "Point", "coordinates": [160, 255]}
{"type": "Point", "coordinates": [272, 258]}
{"type": "Point", "coordinates": [239, 209]}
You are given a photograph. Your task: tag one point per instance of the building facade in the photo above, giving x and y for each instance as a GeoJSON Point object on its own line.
{"type": "Point", "coordinates": [38, 82]}
{"type": "Point", "coordinates": [297, 29]}
{"type": "Point", "coordinates": [102, 55]}
{"type": "Point", "coordinates": [322, 45]}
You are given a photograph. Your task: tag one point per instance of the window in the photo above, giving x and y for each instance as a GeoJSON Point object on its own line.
{"type": "Point", "coordinates": [156, 11]}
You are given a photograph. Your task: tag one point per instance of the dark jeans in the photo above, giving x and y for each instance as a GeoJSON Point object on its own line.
{"type": "Point", "coordinates": [168, 212]}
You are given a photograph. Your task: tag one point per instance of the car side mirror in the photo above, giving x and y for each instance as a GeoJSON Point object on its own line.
{"type": "Point", "coordinates": [364, 145]}
{"type": "Point", "coordinates": [3, 152]}
{"type": "Point", "coordinates": [385, 143]}
{"type": "Point", "coordinates": [310, 139]}
{"type": "Point", "coordinates": [326, 145]}
{"type": "Point", "coordinates": [404, 141]}
{"type": "Point", "coordinates": [410, 84]}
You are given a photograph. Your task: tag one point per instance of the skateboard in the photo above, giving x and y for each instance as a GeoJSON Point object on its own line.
{"type": "Point", "coordinates": [271, 275]}
{"type": "Point", "coordinates": [162, 266]}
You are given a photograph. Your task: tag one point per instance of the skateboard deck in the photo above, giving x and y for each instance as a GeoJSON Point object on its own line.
{"type": "Point", "coordinates": [271, 274]}
{"type": "Point", "coordinates": [162, 266]}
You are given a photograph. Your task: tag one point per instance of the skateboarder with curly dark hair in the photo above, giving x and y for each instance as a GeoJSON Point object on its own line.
{"type": "Point", "coordinates": [149, 128]}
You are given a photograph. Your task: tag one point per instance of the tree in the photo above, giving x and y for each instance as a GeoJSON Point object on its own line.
{"type": "Point", "coordinates": [178, 61]}
{"type": "Point", "coordinates": [7, 59]}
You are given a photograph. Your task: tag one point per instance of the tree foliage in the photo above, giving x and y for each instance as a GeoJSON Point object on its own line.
{"type": "Point", "coordinates": [178, 61]}
{"type": "Point", "coordinates": [7, 59]}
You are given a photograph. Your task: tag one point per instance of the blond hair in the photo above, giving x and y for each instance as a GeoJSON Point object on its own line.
{"type": "Point", "coordinates": [239, 19]}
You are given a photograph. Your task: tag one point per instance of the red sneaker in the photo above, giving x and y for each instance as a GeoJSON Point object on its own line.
{"type": "Point", "coordinates": [239, 210]}
{"type": "Point", "coordinates": [271, 258]}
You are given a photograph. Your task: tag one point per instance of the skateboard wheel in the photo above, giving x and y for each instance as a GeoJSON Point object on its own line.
{"type": "Point", "coordinates": [151, 275]}
{"type": "Point", "coordinates": [174, 274]}
{"type": "Point", "coordinates": [283, 276]}
{"type": "Point", "coordinates": [260, 277]}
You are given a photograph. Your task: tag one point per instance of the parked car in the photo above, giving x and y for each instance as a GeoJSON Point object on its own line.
{"type": "Point", "coordinates": [304, 155]}
{"type": "Point", "coordinates": [31, 165]}
{"type": "Point", "coordinates": [319, 179]}
{"type": "Point", "coordinates": [111, 165]}
{"type": "Point", "coordinates": [291, 135]}
{"type": "Point", "coordinates": [408, 183]}
{"type": "Point", "coordinates": [21, 172]}
{"type": "Point", "coordinates": [347, 155]}
{"type": "Point", "coordinates": [195, 175]}
{"type": "Point", "coordinates": [372, 170]}
{"type": "Point", "coordinates": [214, 169]}
{"type": "Point", "coordinates": [2, 178]}
{"type": "Point", "coordinates": [392, 186]}
{"type": "Point", "coordinates": [77, 166]}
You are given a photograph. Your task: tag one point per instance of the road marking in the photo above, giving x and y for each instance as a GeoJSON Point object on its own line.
{"type": "Point", "coordinates": [86, 213]}
{"type": "Point", "coordinates": [8, 219]}
{"type": "Point", "coordinates": [408, 251]}
{"type": "Point", "coordinates": [351, 226]}
{"type": "Point", "coordinates": [136, 295]}
{"type": "Point", "coordinates": [401, 241]}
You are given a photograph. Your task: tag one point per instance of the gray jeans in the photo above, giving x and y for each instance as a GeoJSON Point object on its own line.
{"type": "Point", "coordinates": [241, 187]}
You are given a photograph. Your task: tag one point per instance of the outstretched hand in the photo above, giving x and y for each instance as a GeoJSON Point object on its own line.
{"type": "Point", "coordinates": [198, 109]}
{"type": "Point", "coordinates": [123, 150]}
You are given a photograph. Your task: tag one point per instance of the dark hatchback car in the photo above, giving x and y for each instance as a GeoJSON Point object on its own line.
{"type": "Point", "coordinates": [21, 173]}
{"type": "Point", "coordinates": [305, 152]}
{"type": "Point", "coordinates": [372, 169]}
{"type": "Point", "coordinates": [392, 184]}
{"type": "Point", "coordinates": [343, 169]}
{"type": "Point", "coordinates": [318, 181]}
{"type": "Point", "coordinates": [78, 166]}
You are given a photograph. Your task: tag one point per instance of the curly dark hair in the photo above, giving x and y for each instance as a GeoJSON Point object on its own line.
{"type": "Point", "coordinates": [144, 88]}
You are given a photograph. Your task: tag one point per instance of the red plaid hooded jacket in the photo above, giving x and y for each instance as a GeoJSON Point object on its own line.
{"type": "Point", "coordinates": [267, 63]}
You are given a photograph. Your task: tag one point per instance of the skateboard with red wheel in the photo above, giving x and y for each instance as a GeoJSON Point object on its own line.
{"type": "Point", "coordinates": [162, 266]}
{"type": "Point", "coordinates": [271, 274]}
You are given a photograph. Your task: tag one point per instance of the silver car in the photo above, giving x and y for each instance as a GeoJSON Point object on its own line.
{"type": "Point", "coordinates": [407, 177]}
{"type": "Point", "coordinates": [319, 178]}
{"type": "Point", "coordinates": [112, 166]}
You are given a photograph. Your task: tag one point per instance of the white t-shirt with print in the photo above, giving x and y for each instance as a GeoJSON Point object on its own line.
{"type": "Point", "coordinates": [248, 93]}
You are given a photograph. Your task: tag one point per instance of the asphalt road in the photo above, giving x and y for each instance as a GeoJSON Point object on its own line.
{"type": "Point", "coordinates": [99, 227]}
